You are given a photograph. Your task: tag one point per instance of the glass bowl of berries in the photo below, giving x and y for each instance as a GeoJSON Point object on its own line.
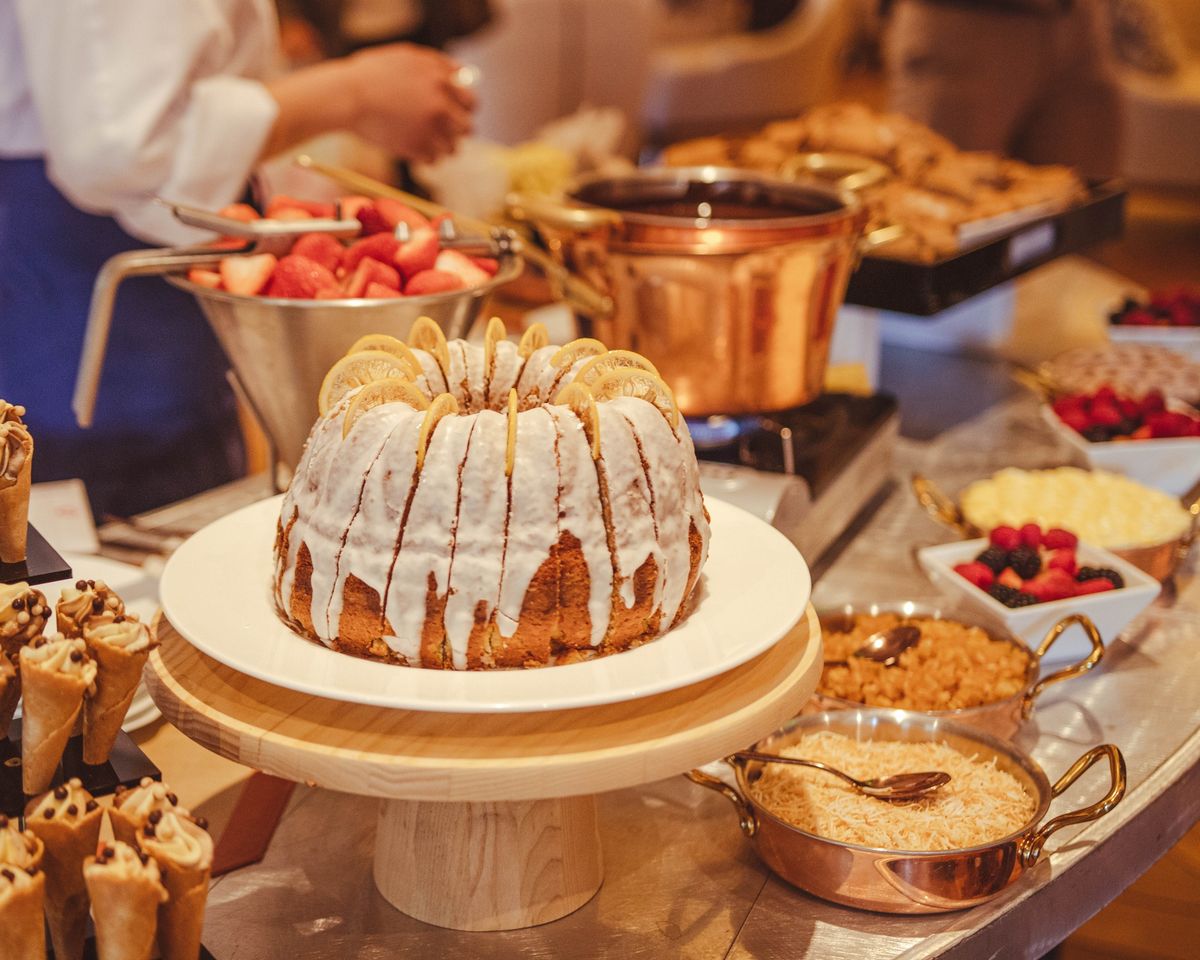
{"type": "Point", "coordinates": [1148, 438]}
{"type": "Point", "coordinates": [1028, 579]}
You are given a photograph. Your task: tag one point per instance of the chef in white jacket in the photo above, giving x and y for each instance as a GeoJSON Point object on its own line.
{"type": "Point", "coordinates": [107, 104]}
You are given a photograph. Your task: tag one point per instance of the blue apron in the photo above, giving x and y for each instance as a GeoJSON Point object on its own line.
{"type": "Point", "coordinates": [166, 424]}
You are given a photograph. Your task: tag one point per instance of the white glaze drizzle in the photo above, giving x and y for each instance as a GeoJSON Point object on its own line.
{"type": "Point", "coordinates": [435, 378]}
{"type": "Point", "coordinates": [506, 366]}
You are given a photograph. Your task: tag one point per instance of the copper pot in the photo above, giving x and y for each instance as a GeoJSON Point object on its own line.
{"type": "Point", "coordinates": [729, 282]}
{"type": "Point", "coordinates": [1000, 718]}
{"type": "Point", "coordinates": [905, 881]}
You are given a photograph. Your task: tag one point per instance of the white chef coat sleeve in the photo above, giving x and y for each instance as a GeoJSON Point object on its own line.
{"type": "Point", "coordinates": [146, 98]}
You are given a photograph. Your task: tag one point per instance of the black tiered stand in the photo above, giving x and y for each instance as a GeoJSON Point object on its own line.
{"type": "Point", "coordinates": [42, 563]}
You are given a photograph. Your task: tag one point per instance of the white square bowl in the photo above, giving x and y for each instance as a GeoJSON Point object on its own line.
{"type": "Point", "coordinates": [1184, 340]}
{"type": "Point", "coordinates": [1111, 611]}
{"type": "Point", "coordinates": [1171, 464]}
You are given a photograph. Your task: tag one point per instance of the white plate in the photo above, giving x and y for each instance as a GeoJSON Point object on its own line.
{"type": "Point", "coordinates": [216, 591]}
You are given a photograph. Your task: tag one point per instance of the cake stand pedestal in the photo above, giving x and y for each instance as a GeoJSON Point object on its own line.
{"type": "Point", "coordinates": [488, 821]}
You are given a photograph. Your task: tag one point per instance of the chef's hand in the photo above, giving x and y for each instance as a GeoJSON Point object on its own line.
{"type": "Point", "coordinates": [400, 96]}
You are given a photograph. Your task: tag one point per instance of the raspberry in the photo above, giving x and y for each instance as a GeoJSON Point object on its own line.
{"type": "Point", "coordinates": [977, 573]}
{"type": "Point", "coordinates": [1025, 562]}
{"type": "Point", "coordinates": [1031, 535]}
{"type": "Point", "coordinates": [1058, 539]}
{"type": "Point", "coordinates": [1096, 573]}
{"type": "Point", "coordinates": [1006, 538]}
{"type": "Point", "coordinates": [994, 558]}
{"type": "Point", "coordinates": [1062, 559]}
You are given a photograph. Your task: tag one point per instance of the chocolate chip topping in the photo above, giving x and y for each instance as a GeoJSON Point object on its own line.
{"type": "Point", "coordinates": [144, 857]}
{"type": "Point", "coordinates": [172, 799]}
{"type": "Point", "coordinates": [19, 603]}
{"type": "Point", "coordinates": [72, 810]}
{"type": "Point", "coordinates": [60, 793]}
{"type": "Point", "coordinates": [110, 851]}
{"type": "Point", "coordinates": [201, 822]}
{"type": "Point", "coordinates": [32, 871]}
{"type": "Point", "coordinates": [76, 656]}
{"type": "Point", "coordinates": [155, 816]}
{"type": "Point", "coordinates": [92, 584]}
{"type": "Point", "coordinates": [81, 585]}
{"type": "Point", "coordinates": [119, 618]}
{"type": "Point", "coordinates": [90, 806]}
{"type": "Point", "coordinates": [8, 875]}
{"type": "Point", "coordinates": [49, 813]}
{"type": "Point", "coordinates": [97, 605]}
{"type": "Point", "coordinates": [148, 830]}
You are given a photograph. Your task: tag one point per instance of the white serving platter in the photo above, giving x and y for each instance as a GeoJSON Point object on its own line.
{"type": "Point", "coordinates": [216, 592]}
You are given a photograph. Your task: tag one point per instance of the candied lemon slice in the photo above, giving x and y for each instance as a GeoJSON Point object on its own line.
{"type": "Point", "coordinates": [510, 450]}
{"type": "Point", "coordinates": [357, 370]}
{"type": "Point", "coordinates": [579, 398]}
{"type": "Point", "coordinates": [496, 331]}
{"type": "Point", "coordinates": [640, 384]}
{"type": "Point", "coordinates": [388, 344]}
{"type": "Point", "coordinates": [534, 338]}
{"type": "Point", "coordinates": [427, 335]}
{"type": "Point", "coordinates": [379, 392]}
{"type": "Point", "coordinates": [597, 367]}
{"type": "Point", "coordinates": [443, 405]}
{"type": "Point", "coordinates": [568, 353]}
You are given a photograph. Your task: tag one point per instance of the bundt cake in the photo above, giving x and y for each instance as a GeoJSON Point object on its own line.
{"type": "Point", "coordinates": [471, 507]}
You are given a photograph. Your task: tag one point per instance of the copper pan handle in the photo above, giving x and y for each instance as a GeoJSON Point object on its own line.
{"type": "Point", "coordinates": [939, 506]}
{"type": "Point", "coordinates": [1031, 846]}
{"type": "Point", "coordinates": [1066, 673]}
{"type": "Point", "coordinates": [746, 818]}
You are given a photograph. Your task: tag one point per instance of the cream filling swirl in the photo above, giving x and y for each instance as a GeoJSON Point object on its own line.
{"type": "Point", "coordinates": [149, 795]}
{"type": "Point", "coordinates": [121, 860]}
{"type": "Point", "coordinates": [13, 883]}
{"type": "Point", "coordinates": [60, 655]}
{"type": "Point", "coordinates": [78, 605]}
{"type": "Point", "coordinates": [14, 443]}
{"type": "Point", "coordinates": [20, 605]}
{"type": "Point", "coordinates": [67, 802]}
{"type": "Point", "coordinates": [179, 841]}
{"type": "Point", "coordinates": [124, 631]}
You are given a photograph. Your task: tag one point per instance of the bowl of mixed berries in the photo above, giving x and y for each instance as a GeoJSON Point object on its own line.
{"type": "Point", "coordinates": [1028, 579]}
{"type": "Point", "coordinates": [1151, 438]}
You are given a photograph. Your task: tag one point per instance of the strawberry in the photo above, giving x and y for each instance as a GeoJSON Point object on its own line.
{"type": "Point", "coordinates": [432, 281]}
{"type": "Point", "coordinates": [1031, 536]}
{"type": "Point", "coordinates": [1105, 413]}
{"type": "Point", "coordinates": [1141, 433]}
{"type": "Point", "coordinates": [379, 246]}
{"type": "Point", "coordinates": [334, 293]}
{"type": "Point", "coordinates": [369, 271]}
{"type": "Point", "coordinates": [394, 213]}
{"type": "Point", "coordinates": [280, 203]}
{"type": "Point", "coordinates": [1076, 419]}
{"type": "Point", "coordinates": [489, 265]}
{"type": "Point", "coordinates": [320, 247]}
{"type": "Point", "coordinates": [418, 253]}
{"type": "Point", "coordinates": [1057, 539]}
{"type": "Point", "coordinates": [976, 573]}
{"type": "Point", "coordinates": [451, 261]}
{"type": "Point", "coordinates": [1099, 585]}
{"type": "Point", "coordinates": [298, 277]}
{"type": "Point", "coordinates": [373, 222]}
{"type": "Point", "coordinates": [205, 278]}
{"type": "Point", "coordinates": [247, 275]}
{"type": "Point", "coordinates": [292, 213]}
{"type": "Point", "coordinates": [1064, 560]}
{"type": "Point", "coordinates": [1051, 585]}
{"type": "Point", "coordinates": [349, 206]}
{"type": "Point", "coordinates": [377, 291]}
{"type": "Point", "coordinates": [239, 211]}
{"type": "Point", "coordinates": [1006, 538]}
{"type": "Point", "coordinates": [1010, 578]}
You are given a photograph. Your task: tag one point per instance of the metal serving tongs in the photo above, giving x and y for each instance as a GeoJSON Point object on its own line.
{"type": "Point", "coordinates": [581, 295]}
{"type": "Point", "coordinates": [261, 236]}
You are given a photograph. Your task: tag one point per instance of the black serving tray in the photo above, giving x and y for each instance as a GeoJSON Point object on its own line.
{"type": "Point", "coordinates": [924, 289]}
{"type": "Point", "coordinates": [42, 563]}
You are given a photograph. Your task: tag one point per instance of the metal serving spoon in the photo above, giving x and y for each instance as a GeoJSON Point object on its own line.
{"type": "Point", "coordinates": [902, 786]}
{"type": "Point", "coordinates": [884, 647]}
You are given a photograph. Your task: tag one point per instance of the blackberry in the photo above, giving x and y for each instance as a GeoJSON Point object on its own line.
{"type": "Point", "coordinates": [1096, 434]}
{"type": "Point", "coordinates": [1003, 593]}
{"type": "Point", "coordinates": [1025, 562]}
{"type": "Point", "coordinates": [1022, 599]}
{"type": "Point", "coordinates": [994, 559]}
{"type": "Point", "coordinates": [1095, 573]}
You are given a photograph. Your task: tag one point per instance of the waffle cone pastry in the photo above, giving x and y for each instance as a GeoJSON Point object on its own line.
{"type": "Point", "coordinates": [23, 613]}
{"type": "Point", "coordinates": [183, 850]}
{"type": "Point", "coordinates": [127, 893]}
{"type": "Point", "coordinates": [55, 675]}
{"type": "Point", "coordinates": [132, 808]}
{"type": "Point", "coordinates": [16, 467]}
{"type": "Point", "coordinates": [22, 934]}
{"type": "Point", "coordinates": [85, 601]}
{"type": "Point", "coordinates": [119, 645]}
{"type": "Point", "coordinates": [10, 693]}
{"type": "Point", "coordinates": [67, 820]}
{"type": "Point", "coordinates": [19, 848]}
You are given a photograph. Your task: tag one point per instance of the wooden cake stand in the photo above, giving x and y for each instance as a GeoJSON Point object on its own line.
{"type": "Point", "coordinates": [488, 820]}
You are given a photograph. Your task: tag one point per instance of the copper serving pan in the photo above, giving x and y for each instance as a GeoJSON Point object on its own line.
{"type": "Point", "coordinates": [1159, 560]}
{"type": "Point", "coordinates": [1000, 718]}
{"type": "Point", "coordinates": [902, 881]}
{"type": "Point", "coordinates": [728, 281]}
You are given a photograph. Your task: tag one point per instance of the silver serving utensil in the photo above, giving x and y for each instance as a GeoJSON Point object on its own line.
{"type": "Point", "coordinates": [884, 646]}
{"type": "Point", "coordinates": [899, 788]}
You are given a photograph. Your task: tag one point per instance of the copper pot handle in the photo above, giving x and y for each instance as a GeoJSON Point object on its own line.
{"type": "Point", "coordinates": [1031, 846]}
{"type": "Point", "coordinates": [939, 506]}
{"type": "Point", "coordinates": [1066, 673]}
{"type": "Point", "coordinates": [746, 817]}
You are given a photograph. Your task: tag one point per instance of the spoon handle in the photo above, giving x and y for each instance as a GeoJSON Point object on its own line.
{"type": "Point", "coordinates": [797, 762]}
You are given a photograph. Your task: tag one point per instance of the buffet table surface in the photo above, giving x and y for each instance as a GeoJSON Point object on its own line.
{"type": "Point", "coordinates": [680, 880]}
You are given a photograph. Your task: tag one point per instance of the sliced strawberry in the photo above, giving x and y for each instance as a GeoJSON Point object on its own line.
{"type": "Point", "coordinates": [292, 213]}
{"type": "Point", "coordinates": [281, 203]}
{"type": "Point", "coordinates": [489, 265]}
{"type": "Point", "coordinates": [380, 246]}
{"type": "Point", "coordinates": [451, 261]}
{"type": "Point", "coordinates": [320, 247]}
{"type": "Point", "coordinates": [369, 271]}
{"type": "Point", "coordinates": [1051, 585]}
{"type": "Point", "coordinates": [247, 275]}
{"type": "Point", "coordinates": [418, 253]}
{"type": "Point", "coordinates": [373, 222]}
{"type": "Point", "coordinates": [1099, 585]}
{"type": "Point", "coordinates": [377, 291]}
{"type": "Point", "coordinates": [204, 278]}
{"type": "Point", "coordinates": [1063, 559]}
{"type": "Point", "coordinates": [332, 294]}
{"type": "Point", "coordinates": [239, 211]}
{"type": "Point", "coordinates": [350, 204]}
{"type": "Point", "coordinates": [298, 277]}
{"type": "Point", "coordinates": [394, 213]}
{"type": "Point", "coordinates": [1010, 578]}
{"type": "Point", "coordinates": [980, 575]}
{"type": "Point", "coordinates": [433, 281]}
